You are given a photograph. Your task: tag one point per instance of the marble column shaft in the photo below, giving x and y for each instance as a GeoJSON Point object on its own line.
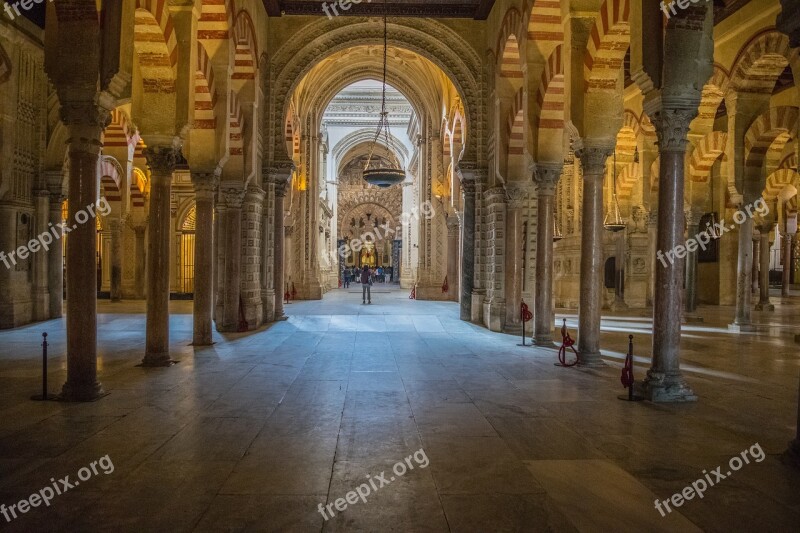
{"type": "Point", "coordinates": [85, 123]}
{"type": "Point", "coordinates": [140, 267]}
{"type": "Point", "coordinates": [763, 255]}
{"type": "Point", "coordinates": [593, 159]}
{"type": "Point", "coordinates": [116, 260]}
{"type": "Point", "coordinates": [756, 260]}
{"type": "Point", "coordinates": [41, 297]}
{"type": "Point", "coordinates": [279, 247]}
{"type": "Point", "coordinates": [547, 176]}
{"type": "Point", "coordinates": [161, 160]}
{"type": "Point", "coordinates": [787, 264]}
{"type": "Point", "coordinates": [233, 196]}
{"type": "Point", "coordinates": [468, 187]}
{"type": "Point", "coordinates": [691, 266]}
{"type": "Point", "coordinates": [664, 381]}
{"type": "Point", "coordinates": [55, 262]}
{"type": "Point", "coordinates": [204, 186]}
{"type": "Point", "coordinates": [516, 194]}
{"type": "Point", "coordinates": [744, 273]}
{"type": "Point", "coordinates": [452, 257]}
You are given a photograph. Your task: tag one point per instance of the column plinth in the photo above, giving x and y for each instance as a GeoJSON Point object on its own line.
{"type": "Point", "coordinates": [162, 161]}
{"type": "Point", "coordinates": [593, 159]}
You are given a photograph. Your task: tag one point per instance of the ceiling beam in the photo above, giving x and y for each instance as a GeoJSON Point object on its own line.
{"type": "Point", "coordinates": [276, 8]}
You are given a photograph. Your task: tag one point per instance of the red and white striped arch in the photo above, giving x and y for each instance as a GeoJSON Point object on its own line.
{"type": "Point", "coordinates": [216, 20]}
{"type": "Point", "coordinates": [705, 154]}
{"type": "Point", "coordinates": [138, 186]}
{"type": "Point", "coordinates": [765, 130]}
{"type": "Point", "coordinates": [544, 24]}
{"type": "Point", "coordinates": [608, 43]}
{"type": "Point", "coordinates": [236, 122]}
{"type": "Point", "coordinates": [155, 46]}
{"type": "Point", "coordinates": [508, 45]}
{"type": "Point", "coordinates": [119, 132]}
{"type": "Point", "coordinates": [790, 162]}
{"type": "Point", "coordinates": [516, 125]}
{"type": "Point", "coordinates": [627, 179]}
{"type": "Point", "coordinates": [205, 92]}
{"type": "Point", "coordinates": [780, 180]}
{"type": "Point", "coordinates": [714, 91]}
{"type": "Point", "coordinates": [761, 61]}
{"type": "Point", "coordinates": [549, 121]}
{"type": "Point", "coordinates": [246, 48]}
{"type": "Point", "coordinates": [110, 179]}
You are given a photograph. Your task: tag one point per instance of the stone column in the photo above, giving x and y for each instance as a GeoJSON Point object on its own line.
{"type": "Point", "coordinates": [763, 255]}
{"type": "Point", "coordinates": [232, 193]}
{"type": "Point", "coordinates": [787, 264]}
{"type": "Point", "coordinates": [41, 296]}
{"type": "Point", "coordinates": [204, 185]}
{"type": "Point", "coordinates": [116, 260]}
{"type": "Point", "coordinates": [756, 259]}
{"type": "Point", "coordinates": [516, 194]}
{"type": "Point", "coordinates": [619, 271]}
{"type": "Point", "coordinates": [55, 261]}
{"type": "Point", "coordinates": [652, 234]}
{"type": "Point", "coordinates": [664, 382]}
{"type": "Point", "coordinates": [281, 181]}
{"type": "Point", "coordinates": [161, 159]}
{"type": "Point", "coordinates": [593, 158]}
{"type": "Point", "coordinates": [139, 267]}
{"type": "Point", "coordinates": [452, 257]}
{"type": "Point", "coordinates": [693, 225]}
{"type": "Point", "coordinates": [743, 321]}
{"type": "Point", "coordinates": [85, 123]}
{"type": "Point", "coordinates": [468, 186]}
{"type": "Point", "coordinates": [547, 176]}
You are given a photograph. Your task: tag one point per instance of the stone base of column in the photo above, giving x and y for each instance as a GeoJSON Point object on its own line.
{"type": "Point", "coordinates": [764, 307]}
{"type": "Point", "coordinates": [268, 304]}
{"type": "Point", "coordinates": [590, 360]}
{"type": "Point", "coordinates": [41, 305]}
{"type": "Point", "coordinates": [692, 319]}
{"type": "Point", "coordinates": [157, 360]}
{"type": "Point", "coordinates": [512, 329]}
{"type": "Point", "coordinates": [665, 388]}
{"type": "Point", "coordinates": [82, 392]}
{"type": "Point", "coordinates": [495, 314]}
{"type": "Point", "coordinates": [792, 455]}
{"type": "Point", "coordinates": [742, 328]}
{"type": "Point", "coordinates": [544, 341]}
{"type": "Point", "coordinates": [433, 293]}
{"type": "Point", "coordinates": [619, 305]}
{"type": "Point", "coordinates": [477, 307]}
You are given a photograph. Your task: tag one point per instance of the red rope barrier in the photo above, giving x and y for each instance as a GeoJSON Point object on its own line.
{"type": "Point", "coordinates": [445, 286]}
{"type": "Point", "coordinates": [566, 342]}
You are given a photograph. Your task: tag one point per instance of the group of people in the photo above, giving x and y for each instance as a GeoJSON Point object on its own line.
{"type": "Point", "coordinates": [366, 276]}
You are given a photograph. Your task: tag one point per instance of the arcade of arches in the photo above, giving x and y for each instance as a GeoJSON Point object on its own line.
{"type": "Point", "coordinates": [219, 146]}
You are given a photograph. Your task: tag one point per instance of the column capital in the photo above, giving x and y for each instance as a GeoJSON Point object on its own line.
{"type": "Point", "coordinates": [593, 158]}
{"type": "Point", "coordinates": [517, 193]}
{"type": "Point", "coordinates": [85, 122]}
{"type": "Point", "coordinates": [162, 159]}
{"type": "Point", "coordinates": [546, 176]}
{"type": "Point", "coordinates": [205, 184]}
{"type": "Point", "coordinates": [453, 223]}
{"type": "Point", "coordinates": [672, 127]}
{"type": "Point", "coordinates": [231, 194]}
{"type": "Point", "coordinates": [470, 171]}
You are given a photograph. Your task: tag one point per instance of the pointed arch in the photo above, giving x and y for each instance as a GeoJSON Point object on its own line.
{"type": "Point", "coordinates": [705, 154]}
{"type": "Point", "coordinates": [761, 61]}
{"type": "Point", "coordinates": [608, 44]}
{"type": "Point", "coordinates": [246, 48]}
{"type": "Point", "coordinates": [764, 130]}
{"type": "Point", "coordinates": [779, 180]}
{"type": "Point", "coordinates": [205, 92]}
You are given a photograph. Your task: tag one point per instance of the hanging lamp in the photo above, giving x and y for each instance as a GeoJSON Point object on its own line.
{"type": "Point", "coordinates": [377, 173]}
{"type": "Point", "coordinates": [613, 221]}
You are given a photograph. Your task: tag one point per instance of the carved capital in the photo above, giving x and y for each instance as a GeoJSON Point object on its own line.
{"type": "Point", "coordinates": [593, 159]}
{"type": "Point", "coordinates": [517, 193]}
{"type": "Point", "coordinates": [205, 185]}
{"type": "Point", "coordinates": [546, 176]}
{"type": "Point", "coordinates": [672, 128]}
{"type": "Point", "coordinates": [231, 194]}
{"type": "Point", "coordinates": [453, 224]}
{"type": "Point", "coordinates": [162, 160]}
{"type": "Point", "coordinates": [85, 122]}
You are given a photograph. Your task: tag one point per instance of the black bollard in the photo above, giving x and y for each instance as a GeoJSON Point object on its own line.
{"type": "Point", "coordinates": [44, 396]}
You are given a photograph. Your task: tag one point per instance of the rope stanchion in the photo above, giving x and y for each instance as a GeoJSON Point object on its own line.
{"type": "Point", "coordinates": [44, 396]}
{"type": "Point", "coordinates": [566, 342]}
{"type": "Point", "coordinates": [413, 295]}
{"type": "Point", "coordinates": [627, 378]}
{"type": "Point", "coordinates": [445, 286]}
{"type": "Point", "coordinates": [525, 316]}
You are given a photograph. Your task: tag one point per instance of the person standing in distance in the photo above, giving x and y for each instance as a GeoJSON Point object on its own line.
{"type": "Point", "coordinates": [366, 283]}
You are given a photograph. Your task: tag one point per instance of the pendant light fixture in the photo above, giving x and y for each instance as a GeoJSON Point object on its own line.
{"type": "Point", "coordinates": [613, 221]}
{"type": "Point", "coordinates": [376, 173]}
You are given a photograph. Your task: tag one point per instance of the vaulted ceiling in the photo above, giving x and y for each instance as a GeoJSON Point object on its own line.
{"type": "Point", "coordinates": [477, 9]}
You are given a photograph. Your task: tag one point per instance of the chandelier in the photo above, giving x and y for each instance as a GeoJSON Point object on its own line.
{"type": "Point", "coordinates": [378, 173]}
{"type": "Point", "coordinates": [613, 221]}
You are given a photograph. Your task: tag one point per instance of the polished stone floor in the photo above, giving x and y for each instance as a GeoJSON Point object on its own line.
{"type": "Point", "coordinates": [254, 433]}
